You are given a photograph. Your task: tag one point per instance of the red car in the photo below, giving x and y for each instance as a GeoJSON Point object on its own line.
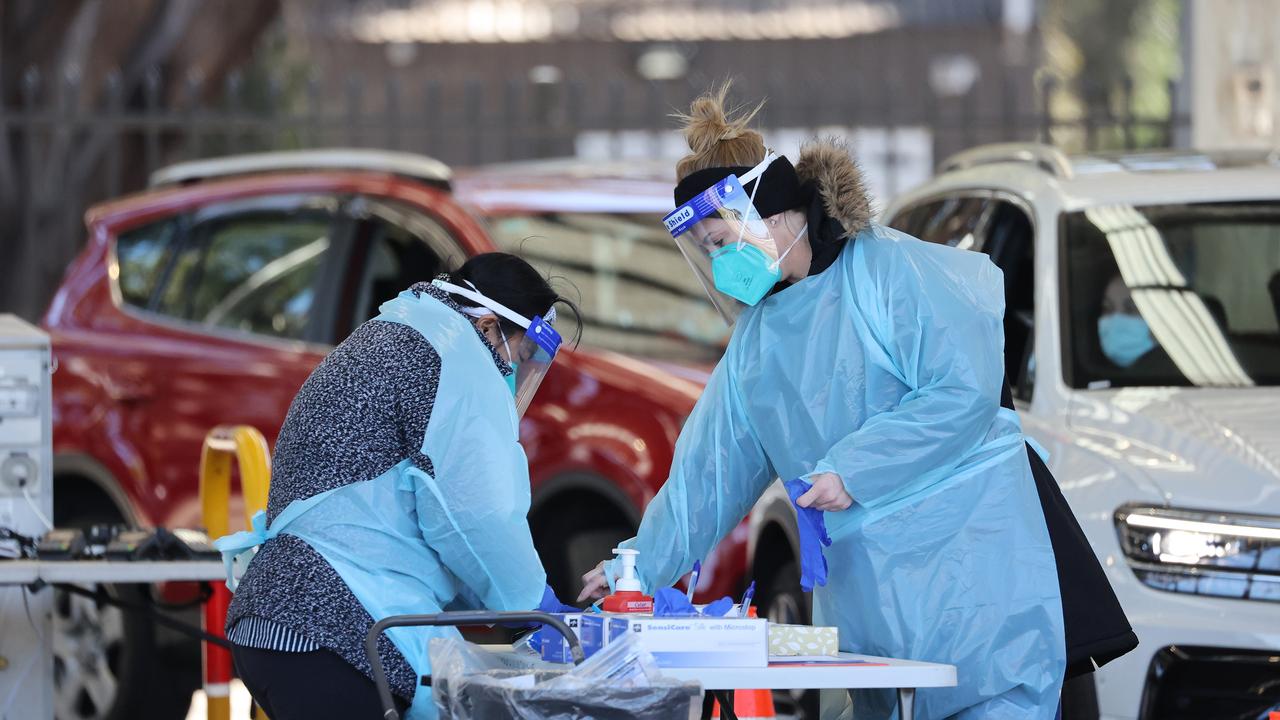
{"type": "Point", "coordinates": [209, 299]}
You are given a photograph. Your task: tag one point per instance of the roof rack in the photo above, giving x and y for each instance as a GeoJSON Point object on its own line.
{"type": "Point", "coordinates": [1046, 157]}
{"type": "Point", "coordinates": [417, 167]}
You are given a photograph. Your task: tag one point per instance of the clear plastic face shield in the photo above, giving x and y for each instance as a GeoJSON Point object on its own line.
{"type": "Point", "coordinates": [530, 356]}
{"type": "Point", "coordinates": [728, 244]}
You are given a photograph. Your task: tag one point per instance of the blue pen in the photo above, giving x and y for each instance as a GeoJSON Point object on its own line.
{"type": "Point", "coordinates": [746, 599]}
{"type": "Point", "coordinates": [693, 578]}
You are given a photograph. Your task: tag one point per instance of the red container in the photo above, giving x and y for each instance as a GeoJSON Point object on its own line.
{"type": "Point", "coordinates": [628, 601]}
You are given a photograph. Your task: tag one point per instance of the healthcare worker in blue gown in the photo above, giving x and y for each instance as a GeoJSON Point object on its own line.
{"type": "Point", "coordinates": [398, 486]}
{"type": "Point", "coordinates": [866, 365]}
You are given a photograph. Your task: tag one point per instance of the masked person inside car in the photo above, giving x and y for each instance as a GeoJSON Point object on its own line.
{"type": "Point", "coordinates": [398, 486]}
{"type": "Point", "coordinates": [1126, 339]}
{"type": "Point", "coordinates": [866, 370]}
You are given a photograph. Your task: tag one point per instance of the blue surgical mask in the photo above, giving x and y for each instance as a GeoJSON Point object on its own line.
{"type": "Point", "coordinates": [1124, 337]}
{"type": "Point", "coordinates": [745, 273]}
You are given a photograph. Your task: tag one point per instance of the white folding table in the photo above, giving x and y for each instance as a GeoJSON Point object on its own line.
{"type": "Point", "coordinates": [89, 572]}
{"type": "Point", "coordinates": [851, 672]}
{"type": "Point", "coordinates": [856, 672]}
{"type": "Point", "coordinates": [25, 572]}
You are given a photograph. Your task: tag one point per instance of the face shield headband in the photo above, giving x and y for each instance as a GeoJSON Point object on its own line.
{"type": "Point", "coordinates": [532, 357]}
{"type": "Point", "coordinates": [727, 243]}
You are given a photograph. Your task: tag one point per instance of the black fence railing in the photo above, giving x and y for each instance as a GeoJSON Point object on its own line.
{"type": "Point", "coordinates": [69, 146]}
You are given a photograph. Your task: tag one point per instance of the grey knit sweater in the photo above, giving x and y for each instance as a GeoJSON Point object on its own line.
{"type": "Point", "coordinates": [363, 410]}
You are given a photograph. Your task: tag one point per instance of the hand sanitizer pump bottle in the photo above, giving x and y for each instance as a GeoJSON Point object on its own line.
{"type": "Point", "coordinates": [627, 596]}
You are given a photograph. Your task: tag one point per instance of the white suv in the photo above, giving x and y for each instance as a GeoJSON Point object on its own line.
{"type": "Point", "coordinates": [1142, 342]}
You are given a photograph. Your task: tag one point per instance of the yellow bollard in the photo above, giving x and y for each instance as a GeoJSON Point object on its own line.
{"type": "Point", "coordinates": [249, 448]}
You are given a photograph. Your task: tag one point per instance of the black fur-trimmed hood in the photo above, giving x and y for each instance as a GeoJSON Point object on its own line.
{"type": "Point", "coordinates": [829, 166]}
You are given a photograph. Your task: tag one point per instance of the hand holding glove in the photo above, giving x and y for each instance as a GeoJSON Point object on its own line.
{"type": "Point", "coordinates": [827, 494]}
{"type": "Point", "coordinates": [812, 526]}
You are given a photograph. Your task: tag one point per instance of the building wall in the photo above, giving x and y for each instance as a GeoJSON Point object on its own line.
{"type": "Point", "coordinates": [443, 92]}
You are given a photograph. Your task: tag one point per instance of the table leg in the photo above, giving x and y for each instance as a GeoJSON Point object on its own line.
{"type": "Point", "coordinates": [725, 699]}
{"type": "Point", "coordinates": [727, 710]}
{"type": "Point", "coordinates": [906, 703]}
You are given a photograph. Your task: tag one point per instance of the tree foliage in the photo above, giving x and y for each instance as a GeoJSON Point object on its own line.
{"type": "Point", "coordinates": [63, 63]}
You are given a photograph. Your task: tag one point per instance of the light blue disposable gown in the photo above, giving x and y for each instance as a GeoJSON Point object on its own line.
{"type": "Point", "coordinates": [408, 542]}
{"type": "Point", "coordinates": [885, 369]}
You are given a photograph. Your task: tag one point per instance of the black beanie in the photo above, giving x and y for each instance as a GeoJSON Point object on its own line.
{"type": "Point", "coordinates": [781, 190]}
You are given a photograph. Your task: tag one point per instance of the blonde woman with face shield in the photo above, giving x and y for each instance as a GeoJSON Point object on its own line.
{"type": "Point", "coordinates": [865, 370]}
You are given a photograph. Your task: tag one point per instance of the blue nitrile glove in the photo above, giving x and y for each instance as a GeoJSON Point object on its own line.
{"type": "Point", "coordinates": [813, 535]}
{"type": "Point", "coordinates": [551, 604]}
{"type": "Point", "coordinates": [719, 608]}
{"type": "Point", "coordinates": [670, 602]}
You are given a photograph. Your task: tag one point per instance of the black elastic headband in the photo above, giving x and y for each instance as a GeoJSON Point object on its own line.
{"type": "Point", "coordinates": [781, 190]}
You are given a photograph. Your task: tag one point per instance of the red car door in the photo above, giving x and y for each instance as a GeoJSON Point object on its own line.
{"type": "Point", "coordinates": [237, 317]}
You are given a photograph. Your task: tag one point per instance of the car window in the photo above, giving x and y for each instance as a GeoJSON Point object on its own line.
{"type": "Point", "coordinates": [1008, 238]}
{"type": "Point", "coordinates": [1173, 295]}
{"type": "Point", "coordinates": [394, 248]}
{"type": "Point", "coordinates": [637, 294]}
{"type": "Point", "coordinates": [909, 220]}
{"type": "Point", "coordinates": [141, 254]}
{"type": "Point", "coordinates": [954, 221]}
{"type": "Point", "coordinates": [255, 271]}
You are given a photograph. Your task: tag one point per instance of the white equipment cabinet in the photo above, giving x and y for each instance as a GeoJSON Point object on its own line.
{"type": "Point", "coordinates": [26, 503]}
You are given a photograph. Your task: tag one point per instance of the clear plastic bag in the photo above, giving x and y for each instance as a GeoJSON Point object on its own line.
{"type": "Point", "coordinates": [470, 683]}
{"type": "Point", "coordinates": [622, 664]}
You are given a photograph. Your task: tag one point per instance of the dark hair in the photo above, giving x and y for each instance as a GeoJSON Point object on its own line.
{"type": "Point", "coordinates": [513, 282]}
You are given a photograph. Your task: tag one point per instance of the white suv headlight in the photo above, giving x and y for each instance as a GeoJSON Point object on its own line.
{"type": "Point", "coordinates": [1202, 553]}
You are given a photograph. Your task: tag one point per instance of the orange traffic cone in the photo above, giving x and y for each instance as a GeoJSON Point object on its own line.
{"type": "Point", "coordinates": [750, 705]}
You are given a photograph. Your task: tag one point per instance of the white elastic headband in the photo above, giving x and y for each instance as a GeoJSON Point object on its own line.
{"type": "Point", "coordinates": [476, 296]}
{"type": "Point", "coordinates": [747, 177]}
{"type": "Point", "coordinates": [758, 170]}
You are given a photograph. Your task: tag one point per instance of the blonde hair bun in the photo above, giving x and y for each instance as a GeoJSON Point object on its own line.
{"type": "Point", "coordinates": [718, 137]}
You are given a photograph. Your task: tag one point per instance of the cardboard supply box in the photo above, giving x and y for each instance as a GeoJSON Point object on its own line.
{"type": "Point", "coordinates": [797, 640]}
{"type": "Point", "coordinates": [697, 641]}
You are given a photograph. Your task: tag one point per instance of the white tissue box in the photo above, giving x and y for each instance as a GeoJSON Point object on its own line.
{"type": "Point", "coordinates": [796, 640]}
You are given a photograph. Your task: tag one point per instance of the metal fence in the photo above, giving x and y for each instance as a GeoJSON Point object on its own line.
{"type": "Point", "coordinates": [69, 146]}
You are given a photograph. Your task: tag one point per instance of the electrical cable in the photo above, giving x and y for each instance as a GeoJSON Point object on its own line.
{"type": "Point", "coordinates": [27, 606]}
{"type": "Point", "coordinates": [206, 592]}
{"type": "Point", "coordinates": [26, 545]}
{"type": "Point", "coordinates": [26, 493]}
{"type": "Point", "coordinates": [100, 595]}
